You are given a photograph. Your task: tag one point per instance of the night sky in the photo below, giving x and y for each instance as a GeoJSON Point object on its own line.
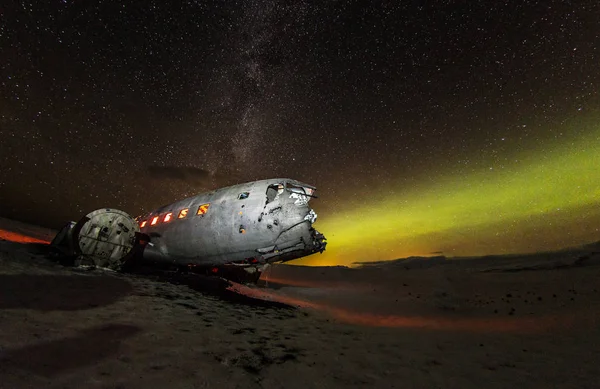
{"type": "Point", "coordinates": [454, 127]}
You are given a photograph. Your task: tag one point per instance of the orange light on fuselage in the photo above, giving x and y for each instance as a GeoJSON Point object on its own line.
{"type": "Point", "coordinates": [154, 221]}
{"type": "Point", "coordinates": [183, 213]}
{"type": "Point", "coordinates": [168, 217]}
{"type": "Point", "coordinates": [203, 209]}
{"type": "Point", "coordinates": [143, 224]}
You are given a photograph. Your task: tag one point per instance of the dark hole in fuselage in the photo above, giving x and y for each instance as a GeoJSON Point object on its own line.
{"type": "Point", "coordinates": [272, 191]}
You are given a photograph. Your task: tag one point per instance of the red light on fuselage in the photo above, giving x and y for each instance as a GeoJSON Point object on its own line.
{"type": "Point", "coordinates": [154, 221]}
{"type": "Point", "coordinates": [143, 224]}
{"type": "Point", "coordinates": [168, 217]}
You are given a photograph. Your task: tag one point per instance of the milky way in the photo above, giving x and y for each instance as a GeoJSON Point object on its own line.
{"type": "Point", "coordinates": [426, 127]}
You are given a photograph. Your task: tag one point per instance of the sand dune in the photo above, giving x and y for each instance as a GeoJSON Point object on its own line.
{"type": "Point", "coordinates": [528, 322]}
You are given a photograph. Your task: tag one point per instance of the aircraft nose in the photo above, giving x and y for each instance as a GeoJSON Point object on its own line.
{"type": "Point", "coordinates": [319, 241]}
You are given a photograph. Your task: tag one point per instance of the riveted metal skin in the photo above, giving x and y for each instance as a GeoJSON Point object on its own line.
{"type": "Point", "coordinates": [268, 221]}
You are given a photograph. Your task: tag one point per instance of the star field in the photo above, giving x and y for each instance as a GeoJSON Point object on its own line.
{"type": "Point", "coordinates": [425, 127]}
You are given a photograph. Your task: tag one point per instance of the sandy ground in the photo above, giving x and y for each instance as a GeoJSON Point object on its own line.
{"type": "Point", "coordinates": [527, 322]}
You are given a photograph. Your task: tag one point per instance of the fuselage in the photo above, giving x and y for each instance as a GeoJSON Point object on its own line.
{"type": "Point", "coordinates": [255, 223]}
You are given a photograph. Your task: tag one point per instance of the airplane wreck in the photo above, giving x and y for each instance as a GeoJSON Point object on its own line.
{"type": "Point", "coordinates": [233, 232]}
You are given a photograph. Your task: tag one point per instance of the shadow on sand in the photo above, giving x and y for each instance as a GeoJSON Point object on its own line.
{"type": "Point", "coordinates": [60, 292]}
{"type": "Point", "coordinates": [55, 356]}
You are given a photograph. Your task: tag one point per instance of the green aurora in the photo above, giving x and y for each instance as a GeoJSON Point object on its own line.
{"type": "Point", "coordinates": [540, 199]}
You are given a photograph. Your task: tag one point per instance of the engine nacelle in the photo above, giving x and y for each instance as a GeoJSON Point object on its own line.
{"type": "Point", "coordinates": [105, 238]}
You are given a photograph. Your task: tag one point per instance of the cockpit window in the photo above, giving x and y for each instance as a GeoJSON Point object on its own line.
{"type": "Point", "coordinates": [243, 195]}
{"type": "Point", "coordinates": [299, 189]}
{"type": "Point", "coordinates": [301, 194]}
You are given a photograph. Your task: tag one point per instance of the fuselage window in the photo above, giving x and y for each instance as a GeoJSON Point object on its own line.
{"type": "Point", "coordinates": [168, 217]}
{"type": "Point", "coordinates": [183, 213]}
{"type": "Point", "coordinates": [203, 209]}
{"type": "Point", "coordinates": [243, 195]}
{"type": "Point", "coordinates": [143, 224]}
{"type": "Point", "coordinates": [154, 221]}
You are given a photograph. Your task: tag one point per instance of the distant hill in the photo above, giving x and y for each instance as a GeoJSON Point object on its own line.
{"type": "Point", "coordinates": [594, 247]}
{"type": "Point", "coordinates": [408, 263]}
{"type": "Point", "coordinates": [587, 254]}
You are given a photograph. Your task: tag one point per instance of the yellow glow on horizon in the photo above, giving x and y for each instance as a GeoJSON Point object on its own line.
{"type": "Point", "coordinates": [538, 201]}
